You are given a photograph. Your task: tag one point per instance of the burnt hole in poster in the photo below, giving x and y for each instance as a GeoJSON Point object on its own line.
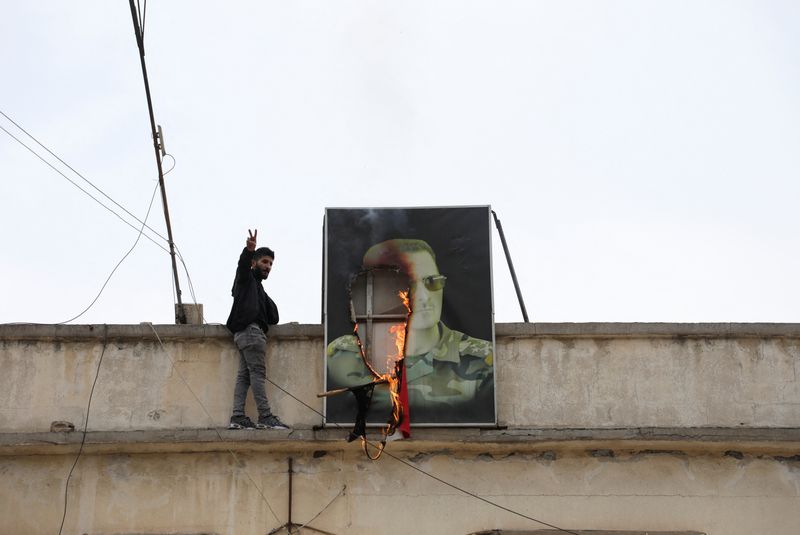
{"type": "Point", "coordinates": [379, 312]}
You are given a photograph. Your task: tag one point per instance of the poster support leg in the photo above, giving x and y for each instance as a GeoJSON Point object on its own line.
{"type": "Point", "coordinates": [511, 267]}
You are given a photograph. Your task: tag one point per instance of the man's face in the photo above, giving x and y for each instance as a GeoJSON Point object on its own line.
{"type": "Point", "coordinates": [263, 266]}
{"type": "Point", "coordinates": [426, 304]}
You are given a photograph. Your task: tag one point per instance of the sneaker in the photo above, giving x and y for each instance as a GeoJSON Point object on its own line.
{"type": "Point", "coordinates": [241, 422]}
{"type": "Point", "coordinates": [271, 422]}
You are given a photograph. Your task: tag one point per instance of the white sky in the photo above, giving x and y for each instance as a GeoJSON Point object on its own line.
{"type": "Point", "coordinates": [642, 156]}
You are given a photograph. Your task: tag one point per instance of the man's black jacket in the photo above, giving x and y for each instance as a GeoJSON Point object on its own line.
{"type": "Point", "coordinates": [251, 304]}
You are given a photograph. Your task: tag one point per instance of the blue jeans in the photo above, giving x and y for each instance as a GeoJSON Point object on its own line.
{"type": "Point", "coordinates": [252, 345]}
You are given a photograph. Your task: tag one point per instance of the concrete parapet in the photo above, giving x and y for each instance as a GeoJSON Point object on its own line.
{"type": "Point", "coordinates": [572, 376]}
{"type": "Point", "coordinates": [43, 332]}
{"type": "Point", "coordinates": [777, 443]}
{"type": "Point", "coordinates": [602, 429]}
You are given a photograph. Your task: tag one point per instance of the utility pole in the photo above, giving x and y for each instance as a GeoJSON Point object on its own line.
{"type": "Point", "coordinates": [180, 315]}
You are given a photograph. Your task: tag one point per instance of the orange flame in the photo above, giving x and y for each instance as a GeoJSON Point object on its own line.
{"type": "Point", "coordinates": [399, 332]}
{"type": "Point", "coordinates": [391, 376]}
{"type": "Point", "coordinates": [404, 296]}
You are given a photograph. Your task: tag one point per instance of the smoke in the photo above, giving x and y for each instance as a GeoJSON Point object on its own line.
{"type": "Point", "coordinates": [381, 223]}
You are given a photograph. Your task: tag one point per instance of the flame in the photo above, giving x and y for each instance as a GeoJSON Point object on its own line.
{"type": "Point", "coordinates": [399, 332]}
{"type": "Point", "coordinates": [397, 407]}
{"type": "Point", "coordinates": [394, 363]}
{"type": "Point", "coordinates": [404, 296]}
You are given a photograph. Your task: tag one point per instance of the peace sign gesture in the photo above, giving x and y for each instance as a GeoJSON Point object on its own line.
{"type": "Point", "coordinates": [251, 241]}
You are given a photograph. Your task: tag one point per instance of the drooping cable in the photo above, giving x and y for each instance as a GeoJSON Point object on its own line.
{"type": "Point", "coordinates": [85, 426]}
{"type": "Point", "coordinates": [121, 260]}
{"type": "Point", "coordinates": [301, 526]}
{"type": "Point", "coordinates": [189, 279]}
{"type": "Point", "coordinates": [476, 496]}
{"type": "Point", "coordinates": [142, 16]}
{"type": "Point", "coordinates": [373, 445]}
{"type": "Point", "coordinates": [420, 470]}
{"type": "Point", "coordinates": [95, 199]}
{"type": "Point", "coordinates": [171, 278]}
{"type": "Point", "coordinates": [104, 194]}
{"type": "Point", "coordinates": [68, 166]}
{"type": "Point", "coordinates": [141, 232]}
{"type": "Point", "coordinates": [174, 163]}
{"type": "Point", "coordinates": [211, 420]}
{"type": "Point", "coordinates": [180, 255]}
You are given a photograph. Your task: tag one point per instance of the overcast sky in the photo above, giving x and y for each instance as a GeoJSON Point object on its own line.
{"type": "Point", "coordinates": [643, 157]}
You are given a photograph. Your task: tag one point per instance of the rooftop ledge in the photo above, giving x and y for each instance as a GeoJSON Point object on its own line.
{"type": "Point", "coordinates": [779, 443]}
{"type": "Point", "coordinates": [46, 332]}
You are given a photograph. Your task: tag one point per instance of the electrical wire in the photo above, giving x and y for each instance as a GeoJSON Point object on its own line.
{"type": "Point", "coordinates": [473, 495]}
{"type": "Point", "coordinates": [180, 256]}
{"type": "Point", "coordinates": [392, 456]}
{"type": "Point", "coordinates": [174, 163]}
{"type": "Point", "coordinates": [211, 420]}
{"type": "Point", "coordinates": [420, 470]}
{"type": "Point", "coordinates": [143, 223]}
{"type": "Point", "coordinates": [85, 426]}
{"type": "Point", "coordinates": [139, 13]}
{"type": "Point", "coordinates": [171, 278]}
{"type": "Point", "coordinates": [68, 166]}
{"type": "Point", "coordinates": [191, 286]}
{"type": "Point", "coordinates": [142, 18]}
{"type": "Point", "coordinates": [300, 528]}
{"type": "Point", "coordinates": [121, 260]}
{"type": "Point", "coordinates": [83, 190]}
{"type": "Point", "coordinates": [177, 250]}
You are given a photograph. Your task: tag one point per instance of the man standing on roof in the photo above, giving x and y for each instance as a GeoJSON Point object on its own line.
{"type": "Point", "coordinates": [251, 315]}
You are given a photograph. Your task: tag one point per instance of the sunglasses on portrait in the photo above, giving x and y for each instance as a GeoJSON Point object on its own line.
{"type": "Point", "coordinates": [433, 283]}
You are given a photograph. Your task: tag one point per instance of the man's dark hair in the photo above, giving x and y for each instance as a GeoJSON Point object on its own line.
{"type": "Point", "coordinates": [263, 251]}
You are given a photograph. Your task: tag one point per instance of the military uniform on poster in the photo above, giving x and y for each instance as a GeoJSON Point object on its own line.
{"type": "Point", "coordinates": [456, 374]}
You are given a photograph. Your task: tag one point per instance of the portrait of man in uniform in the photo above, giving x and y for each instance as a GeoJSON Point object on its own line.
{"type": "Point", "coordinates": [449, 371]}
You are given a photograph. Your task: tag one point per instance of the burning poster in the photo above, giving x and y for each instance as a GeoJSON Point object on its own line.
{"type": "Point", "coordinates": [443, 335]}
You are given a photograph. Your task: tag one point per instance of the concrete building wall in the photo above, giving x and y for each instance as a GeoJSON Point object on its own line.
{"type": "Point", "coordinates": [628, 428]}
{"type": "Point", "coordinates": [570, 378]}
{"type": "Point", "coordinates": [210, 493]}
{"type": "Point", "coordinates": [634, 382]}
{"type": "Point", "coordinates": [143, 384]}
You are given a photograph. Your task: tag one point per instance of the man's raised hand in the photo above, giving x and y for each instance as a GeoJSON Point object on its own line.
{"type": "Point", "coordinates": [251, 241]}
